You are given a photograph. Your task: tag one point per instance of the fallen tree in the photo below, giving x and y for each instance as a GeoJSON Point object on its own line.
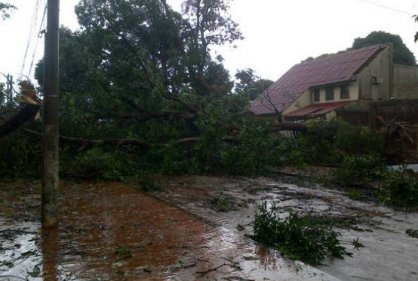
{"type": "Point", "coordinates": [140, 143]}
{"type": "Point", "coordinates": [18, 121]}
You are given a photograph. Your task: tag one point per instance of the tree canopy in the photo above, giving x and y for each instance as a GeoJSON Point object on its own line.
{"type": "Point", "coordinates": [401, 53]}
{"type": "Point", "coordinates": [141, 76]}
{"type": "Point", "coordinates": [250, 83]}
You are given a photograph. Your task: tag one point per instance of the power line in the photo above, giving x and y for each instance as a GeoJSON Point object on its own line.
{"type": "Point", "coordinates": [387, 7]}
{"type": "Point", "coordinates": [33, 42]}
{"type": "Point", "coordinates": [32, 30]}
{"type": "Point", "coordinates": [39, 35]}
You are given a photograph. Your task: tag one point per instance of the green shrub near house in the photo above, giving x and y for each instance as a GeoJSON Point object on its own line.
{"type": "Point", "coordinates": [330, 143]}
{"type": "Point", "coordinates": [360, 170]}
{"type": "Point", "coordinates": [400, 189]}
{"type": "Point", "coordinates": [98, 163]}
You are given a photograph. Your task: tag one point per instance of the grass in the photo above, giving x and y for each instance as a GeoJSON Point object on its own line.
{"type": "Point", "coordinates": [150, 183]}
{"type": "Point", "coordinates": [222, 203]}
{"type": "Point", "coordinates": [123, 253]}
{"type": "Point", "coordinates": [412, 232]}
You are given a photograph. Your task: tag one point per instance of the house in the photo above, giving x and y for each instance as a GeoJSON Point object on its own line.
{"type": "Point", "coordinates": [342, 84]}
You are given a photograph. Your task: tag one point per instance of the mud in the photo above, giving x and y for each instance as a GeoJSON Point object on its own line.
{"type": "Point", "coordinates": [389, 252]}
{"type": "Point", "coordinates": [112, 231]}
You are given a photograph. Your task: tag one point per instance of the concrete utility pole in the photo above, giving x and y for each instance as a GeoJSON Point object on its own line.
{"type": "Point", "coordinates": [9, 88]}
{"type": "Point", "coordinates": [51, 118]}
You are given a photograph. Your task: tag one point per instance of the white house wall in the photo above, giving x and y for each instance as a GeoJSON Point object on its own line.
{"type": "Point", "coordinates": [381, 68]}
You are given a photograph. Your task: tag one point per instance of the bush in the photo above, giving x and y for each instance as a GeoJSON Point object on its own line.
{"type": "Point", "coordinates": [21, 157]}
{"type": "Point", "coordinates": [400, 189]}
{"type": "Point", "coordinates": [356, 140]}
{"type": "Point", "coordinates": [150, 183]}
{"type": "Point", "coordinates": [329, 143]}
{"type": "Point", "coordinates": [97, 163]}
{"type": "Point", "coordinates": [253, 155]}
{"type": "Point", "coordinates": [360, 170]}
{"type": "Point", "coordinates": [176, 159]}
{"type": "Point", "coordinates": [306, 238]}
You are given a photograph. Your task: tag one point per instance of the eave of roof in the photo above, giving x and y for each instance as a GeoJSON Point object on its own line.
{"type": "Point", "coordinates": [318, 109]}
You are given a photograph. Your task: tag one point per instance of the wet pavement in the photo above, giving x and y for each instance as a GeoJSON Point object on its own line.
{"type": "Point", "coordinates": [197, 228]}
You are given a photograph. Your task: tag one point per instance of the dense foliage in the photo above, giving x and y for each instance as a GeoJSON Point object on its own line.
{"type": "Point", "coordinates": [140, 90]}
{"type": "Point", "coordinates": [250, 83]}
{"type": "Point", "coordinates": [330, 143]}
{"type": "Point", "coordinates": [401, 53]}
{"type": "Point", "coordinates": [142, 94]}
{"type": "Point", "coordinates": [400, 189]}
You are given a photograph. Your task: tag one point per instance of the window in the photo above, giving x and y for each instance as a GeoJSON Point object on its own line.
{"type": "Point", "coordinates": [329, 93]}
{"type": "Point", "coordinates": [345, 92]}
{"type": "Point", "coordinates": [316, 95]}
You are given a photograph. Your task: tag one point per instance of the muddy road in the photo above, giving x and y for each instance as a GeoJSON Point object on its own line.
{"type": "Point", "coordinates": [196, 228]}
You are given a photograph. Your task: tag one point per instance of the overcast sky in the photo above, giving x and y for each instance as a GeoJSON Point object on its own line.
{"type": "Point", "coordinates": [278, 33]}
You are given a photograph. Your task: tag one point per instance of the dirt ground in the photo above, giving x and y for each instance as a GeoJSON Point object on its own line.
{"type": "Point", "coordinates": [197, 228]}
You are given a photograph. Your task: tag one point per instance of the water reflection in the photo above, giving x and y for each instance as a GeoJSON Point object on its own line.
{"type": "Point", "coordinates": [268, 259]}
{"type": "Point", "coordinates": [50, 250]}
{"type": "Point", "coordinates": [112, 232]}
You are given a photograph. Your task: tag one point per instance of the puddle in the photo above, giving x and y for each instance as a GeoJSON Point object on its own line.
{"type": "Point", "coordinates": [389, 253]}
{"type": "Point", "coordinates": [114, 232]}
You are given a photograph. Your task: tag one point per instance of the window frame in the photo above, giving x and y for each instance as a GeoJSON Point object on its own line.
{"type": "Point", "coordinates": [316, 95]}
{"type": "Point", "coordinates": [329, 93]}
{"type": "Point", "coordinates": [344, 92]}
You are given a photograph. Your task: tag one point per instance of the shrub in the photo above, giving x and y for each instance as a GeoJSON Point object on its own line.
{"type": "Point", "coordinates": [305, 238]}
{"type": "Point", "coordinates": [356, 140]}
{"type": "Point", "coordinates": [292, 151]}
{"type": "Point", "coordinates": [254, 153]}
{"type": "Point", "coordinates": [360, 170]}
{"type": "Point", "coordinates": [97, 163]}
{"type": "Point", "coordinates": [222, 202]}
{"type": "Point", "coordinates": [176, 159]}
{"type": "Point", "coordinates": [400, 189]}
{"type": "Point", "coordinates": [150, 183]}
{"type": "Point", "coordinates": [20, 157]}
{"type": "Point", "coordinates": [329, 143]}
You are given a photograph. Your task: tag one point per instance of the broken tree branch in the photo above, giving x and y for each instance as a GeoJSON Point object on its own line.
{"type": "Point", "coordinates": [26, 114]}
{"type": "Point", "coordinates": [135, 142]}
{"type": "Point", "coordinates": [118, 142]}
{"type": "Point", "coordinates": [290, 126]}
{"type": "Point", "coordinates": [157, 115]}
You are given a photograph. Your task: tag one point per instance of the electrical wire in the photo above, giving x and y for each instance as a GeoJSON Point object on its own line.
{"type": "Point", "coordinates": [38, 37]}
{"type": "Point", "coordinates": [387, 7]}
{"type": "Point", "coordinates": [30, 36]}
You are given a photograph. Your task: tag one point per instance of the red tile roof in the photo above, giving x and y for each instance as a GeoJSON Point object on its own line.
{"type": "Point", "coordinates": [341, 67]}
{"type": "Point", "coordinates": [318, 109]}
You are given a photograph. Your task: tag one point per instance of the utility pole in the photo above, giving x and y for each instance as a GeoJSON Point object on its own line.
{"type": "Point", "coordinates": [9, 89]}
{"type": "Point", "coordinates": [8, 92]}
{"type": "Point", "coordinates": [50, 180]}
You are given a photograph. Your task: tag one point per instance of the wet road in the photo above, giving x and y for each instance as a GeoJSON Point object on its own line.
{"type": "Point", "coordinates": [114, 232]}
